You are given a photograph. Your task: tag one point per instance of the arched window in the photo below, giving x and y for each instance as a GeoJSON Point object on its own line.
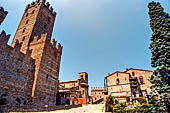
{"type": "Point", "coordinates": [49, 20]}
{"type": "Point", "coordinates": [23, 30]}
{"type": "Point", "coordinates": [27, 22]}
{"type": "Point", "coordinates": [47, 76]}
{"type": "Point", "coordinates": [23, 38]}
{"type": "Point", "coordinates": [33, 11]}
{"type": "Point", "coordinates": [117, 81]}
{"type": "Point", "coordinates": [45, 26]}
{"type": "Point", "coordinates": [133, 73]}
{"type": "Point", "coordinates": [26, 15]}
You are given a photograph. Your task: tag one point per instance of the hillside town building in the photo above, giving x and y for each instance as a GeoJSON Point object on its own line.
{"type": "Point", "coordinates": [29, 69]}
{"type": "Point", "coordinates": [129, 85]}
{"type": "Point", "coordinates": [99, 95]}
{"type": "Point", "coordinates": [74, 92]}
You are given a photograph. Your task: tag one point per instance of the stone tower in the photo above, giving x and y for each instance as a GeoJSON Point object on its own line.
{"type": "Point", "coordinates": [34, 33]}
{"type": "Point", "coordinates": [83, 84]}
{"type": "Point", "coordinates": [38, 18]}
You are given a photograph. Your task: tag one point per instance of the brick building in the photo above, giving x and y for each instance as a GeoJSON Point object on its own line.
{"type": "Point", "coordinates": [129, 85]}
{"type": "Point", "coordinates": [70, 91]}
{"type": "Point", "coordinates": [29, 69]}
{"type": "Point", "coordinates": [98, 95]}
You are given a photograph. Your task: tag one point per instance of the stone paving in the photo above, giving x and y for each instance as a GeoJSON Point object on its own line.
{"type": "Point", "coordinates": [85, 109]}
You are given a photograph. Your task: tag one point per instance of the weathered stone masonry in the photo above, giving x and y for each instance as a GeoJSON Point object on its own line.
{"type": "Point", "coordinates": [16, 74]}
{"type": "Point", "coordinates": [29, 69]}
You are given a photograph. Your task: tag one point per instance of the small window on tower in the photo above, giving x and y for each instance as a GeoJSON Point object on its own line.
{"type": "Point", "coordinates": [23, 38]}
{"type": "Point", "coordinates": [26, 15]}
{"type": "Point", "coordinates": [45, 26]}
{"type": "Point", "coordinates": [47, 76]}
{"type": "Point", "coordinates": [23, 30]}
{"type": "Point", "coordinates": [33, 11]}
{"type": "Point", "coordinates": [27, 22]}
{"type": "Point", "coordinates": [49, 20]}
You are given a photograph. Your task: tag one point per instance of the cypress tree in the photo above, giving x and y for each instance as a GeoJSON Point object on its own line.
{"type": "Point", "coordinates": [160, 49]}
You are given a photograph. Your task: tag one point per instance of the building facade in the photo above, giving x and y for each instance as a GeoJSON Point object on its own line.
{"type": "Point", "coordinates": [30, 67]}
{"type": "Point", "coordinates": [98, 95]}
{"type": "Point", "coordinates": [130, 85]}
{"type": "Point", "coordinates": [71, 91]}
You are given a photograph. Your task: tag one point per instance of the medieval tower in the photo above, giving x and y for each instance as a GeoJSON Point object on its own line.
{"type": "Point", "coordinates": [37, 19]}
{"type": "Point", "coordinates": [32, 45]}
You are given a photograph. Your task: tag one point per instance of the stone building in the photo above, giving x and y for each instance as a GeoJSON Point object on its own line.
{"type": "Point", "coordinates": [29, 69]}
{"type": "Point", "coordinates": [70, 91]}
{"type": "Point", "coordinates": [129, 85]}
{"type": "Point", "coordinates": [98, 95]}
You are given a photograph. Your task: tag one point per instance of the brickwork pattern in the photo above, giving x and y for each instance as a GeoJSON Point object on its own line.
{"type": "Point", "coordinates": [32, 59]}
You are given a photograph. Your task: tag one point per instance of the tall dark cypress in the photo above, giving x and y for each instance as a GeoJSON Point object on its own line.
{"type": "Point", "coordinates": [160, 48]}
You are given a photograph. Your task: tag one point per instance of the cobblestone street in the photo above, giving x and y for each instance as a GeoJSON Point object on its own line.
{"type": "Point", "coordinates": [86, 109]}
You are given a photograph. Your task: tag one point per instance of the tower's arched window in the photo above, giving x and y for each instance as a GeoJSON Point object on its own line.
{"type": "Point", "coordinates": [45, 26]}
{"type": "Point", "coordinates": [27, 22]}
{"type": "Point", "coordinates": [23, 30]}
{"type": "Point", "coordinates": [49, 20]}
{"type": "Point", "coordinates": [23, 38]}
{"type": "Point", "coordinates": [47, 76]}
{"type": "Point", "coordinates": [117, 81]}
{"type": "Point", "coordinates": [26, 14]}
{"type": "Point", "coordinates": [33, 11]}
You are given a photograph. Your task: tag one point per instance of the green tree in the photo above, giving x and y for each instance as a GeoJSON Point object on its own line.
{"type": "Point", "coordinates": [110, 103]}
{"type": "Point", "coordinates": [121, 107]}
{"type": "Point", "coordinates": [160, 48]}
{"type": "Point", "coordinates": [141, 100]}
{"type": "Point", "coordinates": [145, 108]}
{"type": "Point", "coordinates": [110, 100]}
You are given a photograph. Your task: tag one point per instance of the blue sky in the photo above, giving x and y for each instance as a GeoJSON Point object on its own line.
{"type": "Point", "coordinates": [99, 36]}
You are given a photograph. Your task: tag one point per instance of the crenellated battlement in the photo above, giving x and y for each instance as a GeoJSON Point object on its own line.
{"type": "Point", "coordinates": [44, 3]}
{"type": "Point", "coordinates": [38, 40]}
{"type": "Point", "coordinates": [4, 39]}
{"type": "Point", "coordinates": [3, 14]}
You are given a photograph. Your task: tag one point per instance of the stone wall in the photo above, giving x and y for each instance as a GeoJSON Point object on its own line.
{"type": "Point", "coordinates": [16, 73]}
{"type": "Point", "coordinates": [36, 108]}
{"type": "Point", "coordinates": [98, 93]}
{"type": "Point", "coordinates": [119, 85]}
{"type": "Point", "coordinates": [47, 60]}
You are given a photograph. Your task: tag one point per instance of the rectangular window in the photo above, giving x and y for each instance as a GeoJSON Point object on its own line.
{"type": "Point", "coordinates": [141, 80]}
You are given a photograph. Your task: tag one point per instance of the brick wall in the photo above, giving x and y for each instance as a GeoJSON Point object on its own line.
{"type": "Point", "coordinates": [16, 73]}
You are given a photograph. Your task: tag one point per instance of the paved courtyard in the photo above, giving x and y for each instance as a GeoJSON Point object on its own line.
{"type": "Point", "coordinates": [85, 109]}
